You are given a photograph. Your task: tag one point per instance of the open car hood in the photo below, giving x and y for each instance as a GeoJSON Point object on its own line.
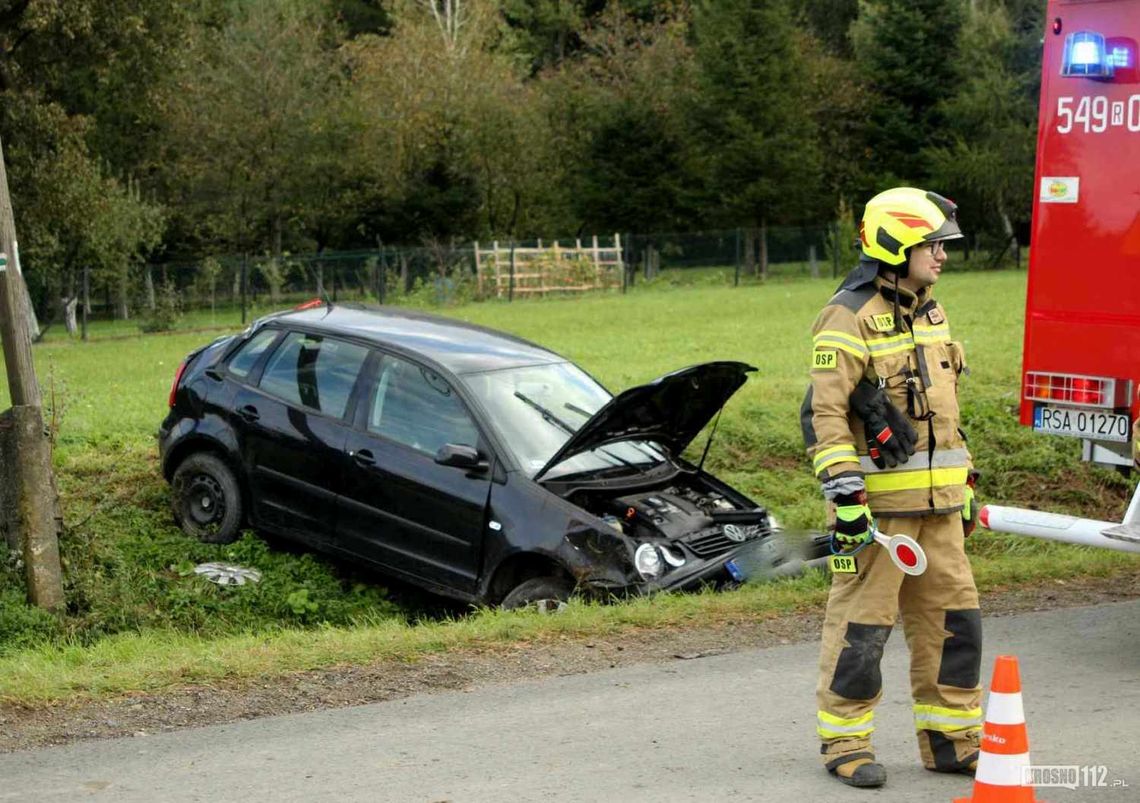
{"type": "Point", "coordinates": [671, 410]}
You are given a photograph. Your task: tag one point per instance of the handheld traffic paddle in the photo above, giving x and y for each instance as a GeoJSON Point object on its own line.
{"type": "Point", "coordinates": [904, 551]}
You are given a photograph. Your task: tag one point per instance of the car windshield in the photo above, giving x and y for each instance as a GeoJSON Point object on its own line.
{"type": "Point", "coordinates": [536, 408]}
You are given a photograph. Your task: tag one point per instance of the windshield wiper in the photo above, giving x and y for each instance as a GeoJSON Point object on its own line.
{"type": "Point", "coordinates": [652, 457]}
{"type": "Point", "coordinates": [576, 409]}
{"type": "Point", "coordinates": [635, 444]}
{"type": "Point", "coordinates": [545, 413]}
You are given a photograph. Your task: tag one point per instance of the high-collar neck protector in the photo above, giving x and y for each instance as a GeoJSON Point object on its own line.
{"type": "Point", "coordinates": [908, 302]}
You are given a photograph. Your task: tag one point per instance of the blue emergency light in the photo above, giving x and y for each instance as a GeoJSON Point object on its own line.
{"type": "Point", "coordinates": [1086, 55]}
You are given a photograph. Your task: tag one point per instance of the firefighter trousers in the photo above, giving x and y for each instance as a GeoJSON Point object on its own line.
{"type": "Point", "coordinates": [942, 624]}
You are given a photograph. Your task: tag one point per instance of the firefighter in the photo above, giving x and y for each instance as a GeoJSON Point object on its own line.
{"type": "Point", "coordinates": [881, 426]}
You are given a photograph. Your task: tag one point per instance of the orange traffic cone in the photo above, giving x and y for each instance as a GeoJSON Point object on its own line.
{"type": "Point", "coordinates": [1005, 743]}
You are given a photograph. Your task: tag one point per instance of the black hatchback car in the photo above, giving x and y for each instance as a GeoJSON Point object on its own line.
{"type": "Point", "coordinates": [463, 460]}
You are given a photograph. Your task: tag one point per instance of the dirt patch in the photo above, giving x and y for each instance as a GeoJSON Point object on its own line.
{"type": "Point", "coordinates": [24, 728]}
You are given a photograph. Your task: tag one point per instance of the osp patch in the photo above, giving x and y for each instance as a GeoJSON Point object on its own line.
{"type": "Point", "coordinates": [824, 359]}
{"type": "Point", "coordinates": [884, 322]}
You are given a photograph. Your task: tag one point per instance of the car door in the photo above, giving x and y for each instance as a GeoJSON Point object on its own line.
{"type": "Point", "coordinates": [398, 507]}
{"type": "Point", "coordinates": [293, 426]}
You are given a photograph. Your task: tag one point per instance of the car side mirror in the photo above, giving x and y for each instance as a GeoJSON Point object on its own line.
{"type": "Point", "coordinates": [460, 455]}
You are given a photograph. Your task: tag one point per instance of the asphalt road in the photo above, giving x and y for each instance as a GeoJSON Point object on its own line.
{"type": "Point", "coordinates": [735, 726]}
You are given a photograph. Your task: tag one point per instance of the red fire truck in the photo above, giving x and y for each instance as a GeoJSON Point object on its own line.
{"type": "Point", "coordinates": [1081, 361]}
{"type": "Point", "coordinates": [1081, 369]}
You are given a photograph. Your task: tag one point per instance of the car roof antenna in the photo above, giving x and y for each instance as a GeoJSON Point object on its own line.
{"type": "Point", "coordinates": [708, 443]}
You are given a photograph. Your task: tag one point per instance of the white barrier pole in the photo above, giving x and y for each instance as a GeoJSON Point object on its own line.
{"type": "Point", "coordinates": [1054, 527]}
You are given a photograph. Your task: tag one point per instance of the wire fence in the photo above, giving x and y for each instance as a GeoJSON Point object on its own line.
{"type": "Point", "coordinates": [153, 296]}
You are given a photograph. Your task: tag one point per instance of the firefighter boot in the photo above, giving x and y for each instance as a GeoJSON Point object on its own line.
{"type": "Point", "coordinates": [853, 767]}
{"type": "Point", "coordinates": [940, 753]}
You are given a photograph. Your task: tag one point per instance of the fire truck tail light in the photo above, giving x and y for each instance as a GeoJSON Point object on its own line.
{"type": "Point", "coordinates": [1085, 391]}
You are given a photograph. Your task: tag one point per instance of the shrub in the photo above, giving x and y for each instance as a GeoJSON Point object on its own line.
{"type": "Point", "coordinates": [167, 310]}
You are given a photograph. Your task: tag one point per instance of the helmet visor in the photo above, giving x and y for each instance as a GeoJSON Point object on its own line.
{"type": "Point", "coordinates": [949, 229]}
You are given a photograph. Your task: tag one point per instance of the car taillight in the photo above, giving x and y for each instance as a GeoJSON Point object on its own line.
{"type": "Point", "coordinates": [174, 386]}
{"type": "Point", "coordinates": [1088, 391]}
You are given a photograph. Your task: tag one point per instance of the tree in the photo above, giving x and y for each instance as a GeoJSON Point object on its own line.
{"type": "Point", "coordinates": [830, 21]}
{"type": "Point", "coordinates": [452, 142]}
{"type": "Point", "coordinates": [71, 213]}
{"type": "Point", "coordinates": [548, 33]}
{"type": "Point", "coordinates": [77, 125]}
{"type": "Point", "coordinates": [908, 55]}
{"type": "Point", "coordinates": [992, 120]}
{"type": "Point", "coordinates": [545, 32]}
{"type": "Point", "coordinates": [621, 139]}
{"type": "Point", "coordinates": [763, 163]}
{"type": "Point", "coordinates": [253, 139]}
{"type": "Point", "coordinates": [358, 17]}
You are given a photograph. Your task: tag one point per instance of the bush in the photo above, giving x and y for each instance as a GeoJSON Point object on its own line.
{"type": "Point", "coordinates": [843, 240]}
{"type": "Point", "coordinates": [167, 310]}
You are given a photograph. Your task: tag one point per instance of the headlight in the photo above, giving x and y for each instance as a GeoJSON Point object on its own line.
{"type": "Point", "coordinates": [647, 560]}
{"type": "Point", "coordinates": [774, 523]}
{"type": "Point", "coordinates": [676, 560]}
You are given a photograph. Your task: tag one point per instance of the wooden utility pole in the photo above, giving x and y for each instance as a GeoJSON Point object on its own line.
{"type": "Point", "coordinates": [31, 484]}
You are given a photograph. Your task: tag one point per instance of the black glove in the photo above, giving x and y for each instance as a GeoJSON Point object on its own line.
{"type": "Point", "coordinates": [852, 521]}
{"type": "Point", "coordinates": [890, 437]}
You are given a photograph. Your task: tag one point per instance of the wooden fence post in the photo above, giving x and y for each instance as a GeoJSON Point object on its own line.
{"type": "Point", "coordinates": [34, 497]}
{"type": "Point", "coordinates": [499, 268]}
{"type": "Point", "coordinates": [478, 271]}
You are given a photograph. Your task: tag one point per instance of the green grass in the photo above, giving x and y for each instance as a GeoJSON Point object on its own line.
{"type": "Point", "coordinates": [162, 658]}
{"type": "Point", "coordinates": [139, 618]}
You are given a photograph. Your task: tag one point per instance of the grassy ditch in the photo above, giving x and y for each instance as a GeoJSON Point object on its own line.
{"type": "Point", "coordinates": [157, 659]}
{"type": "Point", "coordinates": [138, 617]}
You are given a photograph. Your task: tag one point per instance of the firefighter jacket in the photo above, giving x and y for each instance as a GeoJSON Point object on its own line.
{"type": "Point", "coordinates": [911, 356]}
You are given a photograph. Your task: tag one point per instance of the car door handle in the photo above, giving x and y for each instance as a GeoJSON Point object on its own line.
{"type": "Point", "coordinates": [249, 413]}
{"type": "Point", "coordinates": [363, 458]}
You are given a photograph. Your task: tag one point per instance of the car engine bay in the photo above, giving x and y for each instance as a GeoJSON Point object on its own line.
{"type": "Point", "coordinates": [705, 521]}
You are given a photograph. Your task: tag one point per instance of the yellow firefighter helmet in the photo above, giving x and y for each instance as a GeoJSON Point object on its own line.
{"type": "Point", "coordinates": [901, 218]}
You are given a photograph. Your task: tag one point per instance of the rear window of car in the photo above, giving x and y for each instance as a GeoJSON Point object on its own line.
{"type": "Point", "coordinates": [314, 372]}
{"type": "Point", "coordinates": [242, 363]}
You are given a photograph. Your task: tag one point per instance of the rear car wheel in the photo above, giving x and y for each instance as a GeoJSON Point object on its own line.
{"type": "Point", "coordinates": [206, 499]}
{"type": "Point", "coordinates": [547, 594]}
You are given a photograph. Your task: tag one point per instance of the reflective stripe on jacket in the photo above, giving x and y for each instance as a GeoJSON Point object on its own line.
{"type": "Point", "coordinates": [918, 365]}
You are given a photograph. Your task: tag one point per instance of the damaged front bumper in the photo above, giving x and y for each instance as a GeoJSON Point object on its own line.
{"type": "Point", "coordinates": [764, 558]}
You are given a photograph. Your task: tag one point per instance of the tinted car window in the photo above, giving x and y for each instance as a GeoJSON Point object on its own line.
{"type": "Point", "coordinates": [416, 407]}
{"type": "Point", "coordinates": [242, 362]}
{"type": "Point", "coordinates": [314, 372]}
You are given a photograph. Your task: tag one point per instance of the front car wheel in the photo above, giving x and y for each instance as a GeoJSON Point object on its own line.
{"type": "Point", "coordinates": [546, 594]}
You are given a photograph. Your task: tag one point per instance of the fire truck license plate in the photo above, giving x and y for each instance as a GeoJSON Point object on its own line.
{"type": "Point", "coordinates": [1082, 424]}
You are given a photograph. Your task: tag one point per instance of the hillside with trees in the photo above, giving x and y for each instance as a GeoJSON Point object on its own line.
{"type": "Point", "coordinates": [152, 131]}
